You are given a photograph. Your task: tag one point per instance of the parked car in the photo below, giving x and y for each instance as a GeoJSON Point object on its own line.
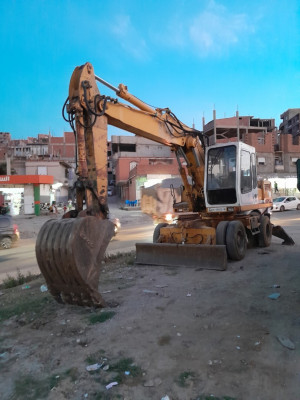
{"type": "Point", "coordinates": [9, 232]}
{"type": "Point", "coordinates": [286, 203]}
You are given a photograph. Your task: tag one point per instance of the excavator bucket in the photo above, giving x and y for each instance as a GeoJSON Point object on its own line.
{"type": "Point", "coordinates": [182, 255]}
{"type": "Point", "coordinates": [69, 253]}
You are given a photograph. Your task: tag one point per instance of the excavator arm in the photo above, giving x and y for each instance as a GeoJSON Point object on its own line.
{"type": "Point", "coordinates": [89, 113]}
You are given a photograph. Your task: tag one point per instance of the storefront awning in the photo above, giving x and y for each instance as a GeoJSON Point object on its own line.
{"type": "Point", "coordinates": [26, 179]}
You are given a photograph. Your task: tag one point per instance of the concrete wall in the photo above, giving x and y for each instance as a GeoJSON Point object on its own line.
{"type": "Point", "coordinates": [54, 168]}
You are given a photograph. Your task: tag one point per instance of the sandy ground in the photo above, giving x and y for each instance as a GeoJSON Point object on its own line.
{"type": "Point", "coordinates": [177, 332]}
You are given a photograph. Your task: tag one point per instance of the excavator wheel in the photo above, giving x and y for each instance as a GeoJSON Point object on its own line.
{"type": "Point", "coordinates": [69, 253]}
{"type": "Point", "coordinates": [265, 234]}
{"type": "Point", "coordinates": [236, 240]}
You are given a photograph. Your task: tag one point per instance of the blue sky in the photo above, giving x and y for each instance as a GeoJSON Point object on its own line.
{"type": "Point", "coordinates": [185, 55]}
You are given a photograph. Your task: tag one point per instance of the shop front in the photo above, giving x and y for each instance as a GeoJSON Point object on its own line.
{"type": "Point", "coordinates": [22, 194]}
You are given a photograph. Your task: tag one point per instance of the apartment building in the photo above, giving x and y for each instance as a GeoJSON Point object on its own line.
{"type": "Point", "coordinates": [277, 150]}
{"type": "Point", "coordinates": [291, 123]}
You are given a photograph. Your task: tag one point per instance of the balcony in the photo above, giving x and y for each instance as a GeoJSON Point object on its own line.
{"type": "Point", "coordinates": [279, 167]}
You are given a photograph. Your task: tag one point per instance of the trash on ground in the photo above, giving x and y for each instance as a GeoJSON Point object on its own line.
{"type": "Point", "coordinates": [1, 293]}
{"type": "Point", "coordinates": [256, 343]}
{"type": "Point", "coordinates": [165, 398]}
{"type": "Point", "coordinates": [238, 348]}
{"type": "Point", "coordinates": [127, 372]}
{"type": "Point", "coordinates": [43, 288]}
{"type": "Point", "coordinates": [274, 296]}
{"type": "Point", "coordinates": [188, 295]}
{"type": "Point", "coordinates": [106, 367]}
{"type": "Point", "coordinates": [110, 385]}
{"type": "Point", "coordinates": [107, 291]}
{"type": "Point", "coordinates": [93, 367]}
{"type": "Point", "coordinates": [275, 286]}
{"type": "Point", "coordinates": [161, 286]}
{"type": "Point", "coordinates": [148, 291]}
{"type": "Point", "coordinates": [286, 342]}
{"type": "Point", "coordinates": [25, 287]}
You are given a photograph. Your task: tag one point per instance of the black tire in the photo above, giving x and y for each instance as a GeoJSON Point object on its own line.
{"type": "Point", "coordinates": [156, 232]}
{"type": "Point", "coordinates": [298, 206]}
{"type": "Point", "coordinates": [236, 240]}
{"type": "Point", "coordinates": [265, 234]}
{"type": "Point", "coordinates": [5, 243]}
{"type": "Point", "coordinates": [282, 208]}
{"type": "Point", "coordinates": [221, 232]}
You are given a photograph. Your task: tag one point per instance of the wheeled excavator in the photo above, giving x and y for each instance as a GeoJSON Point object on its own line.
{"type": "Point", "coordinates": [224, 207]}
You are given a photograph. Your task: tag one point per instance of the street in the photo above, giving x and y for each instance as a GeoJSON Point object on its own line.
{"type": "Point", "coordinates": [136, 227]}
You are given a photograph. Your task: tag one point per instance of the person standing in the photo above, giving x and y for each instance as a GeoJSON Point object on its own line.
{"type": "Point", "coordinates": [276, 187]}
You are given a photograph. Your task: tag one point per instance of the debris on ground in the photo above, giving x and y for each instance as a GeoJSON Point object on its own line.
{"type": "Point", "coordinates": [286, 342]}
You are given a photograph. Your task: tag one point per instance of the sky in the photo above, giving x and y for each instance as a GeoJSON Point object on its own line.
{"type": "Point", "coordinates": [189, 55]}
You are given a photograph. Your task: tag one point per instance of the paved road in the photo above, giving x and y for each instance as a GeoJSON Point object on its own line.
{"type": "Point", "coordinates": [135, 228]}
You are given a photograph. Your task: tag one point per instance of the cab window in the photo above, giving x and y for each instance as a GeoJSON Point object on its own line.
{"type": "Point", "coordinates": [246, 172]}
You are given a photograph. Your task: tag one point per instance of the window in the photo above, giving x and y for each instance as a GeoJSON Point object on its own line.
{"type": "Point", "coordinates": [253, 166]}
{"type": "Point", "coordinates": [132, 165]}
{"type": "Point", "coordinates": [127, 147]}
{"type": "Point", "coordinates": [246, 172]}
{"type": "Point", "coordinates": [42, 170]}
{"type": "Point", "coordinates": [221, 175]}
{"type": "Point", "coordinates": [294, 161]}
{"type": "Point", "coordinates": [261, 161]}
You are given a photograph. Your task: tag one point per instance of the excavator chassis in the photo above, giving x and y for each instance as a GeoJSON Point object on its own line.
{"type": "Point", "coordinates": [69, 253]}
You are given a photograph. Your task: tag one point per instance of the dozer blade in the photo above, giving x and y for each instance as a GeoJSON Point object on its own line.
{"type": "Point", "coordinates": [182, 255]}
{"type": "Point", "coordinates": [69, 253]}
{"type": "Point", "coordinates": [279, 232]}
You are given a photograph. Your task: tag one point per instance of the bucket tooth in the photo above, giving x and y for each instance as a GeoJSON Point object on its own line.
{"type": "Point", "coordinates": [69, 254]}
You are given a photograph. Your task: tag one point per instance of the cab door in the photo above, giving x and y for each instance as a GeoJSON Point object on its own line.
{"type": "Point", "coordinates": [248, 180]}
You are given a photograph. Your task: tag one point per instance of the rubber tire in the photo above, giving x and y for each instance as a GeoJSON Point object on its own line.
{"type": "Point", "coordinates": [282, 208]}
{"type": "Point", "coordinates": [221, 232]}
{"type": "Point", "coordinates": [156, 232]}
{"type": "Point", "coordinates": [298, 206]}
{"type": "Point", "coordinates": [236, 240]}
{"type": "Point", "coordinates": [5, 243]}
{"type": "Point", "coordinates": [265, 234]}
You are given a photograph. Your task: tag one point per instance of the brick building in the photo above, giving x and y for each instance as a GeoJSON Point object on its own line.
{"type": "Point", "coordinates": [291, 123]}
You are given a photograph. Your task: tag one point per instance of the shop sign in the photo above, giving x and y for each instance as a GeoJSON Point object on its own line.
{"type": "Point", "coordinates": [4, 178]}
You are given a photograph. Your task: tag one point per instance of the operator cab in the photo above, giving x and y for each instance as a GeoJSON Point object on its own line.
{"type": "Point", "coordinates": [230, 176]}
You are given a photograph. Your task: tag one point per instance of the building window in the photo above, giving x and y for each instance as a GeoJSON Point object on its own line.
{"type": "Point", "coordinates": [294, 161]}
{"type": "Point", "coordinates": [261, 140]}
{"type": "Point", "coordinates": [127, 147]}
{"type": "Point", "coordinates": [261, 160]}
{"type": "Point", "coordinates": [132, 165]}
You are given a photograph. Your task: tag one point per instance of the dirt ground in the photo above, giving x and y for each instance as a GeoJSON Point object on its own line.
{"type": "Point", "coordinates": [183, 333]}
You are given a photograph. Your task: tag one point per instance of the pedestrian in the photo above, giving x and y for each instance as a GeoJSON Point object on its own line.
{"type": "Point", "coordinates": [276, 187]}
{"type": "Point", "coordinates": [65, 208]}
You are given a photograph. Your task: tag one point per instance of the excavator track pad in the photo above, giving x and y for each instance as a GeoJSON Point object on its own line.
{"type": "Point", "coordinates": [69, 253]}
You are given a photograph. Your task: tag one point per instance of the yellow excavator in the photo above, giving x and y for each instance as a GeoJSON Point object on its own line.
{"type": "Point", "coordinates": [224, 207]}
